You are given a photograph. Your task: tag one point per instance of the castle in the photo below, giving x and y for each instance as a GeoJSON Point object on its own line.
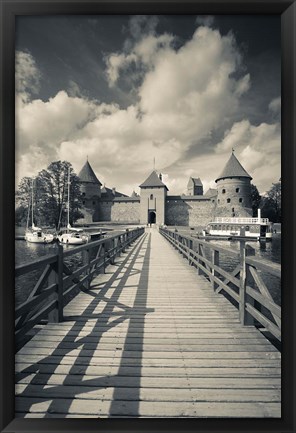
{"type": "Point", "coordinates": [154, 205]}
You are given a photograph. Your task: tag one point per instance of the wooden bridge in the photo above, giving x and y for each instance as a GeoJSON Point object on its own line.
{"type": "Point", "coordinates": [147, 335]}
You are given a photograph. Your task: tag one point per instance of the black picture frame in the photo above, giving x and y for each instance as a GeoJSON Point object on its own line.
{"type": "Point", "coordinates": [9, 10]}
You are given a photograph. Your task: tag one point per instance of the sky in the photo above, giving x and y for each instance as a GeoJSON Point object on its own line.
{"type": "Point", "coordinates": [124, 91]}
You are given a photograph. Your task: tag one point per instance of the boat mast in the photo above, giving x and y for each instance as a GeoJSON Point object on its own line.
{"type": "Point", "coordinates": [32, 203]}
{"type": "Point", "coordinates": [28, 214]}
{"type": "Point", "coordinates": [68, 197]}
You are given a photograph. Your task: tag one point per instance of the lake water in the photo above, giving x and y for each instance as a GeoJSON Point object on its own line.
{"type": "Point", "coordinates": [267, 250]}
{"type": "Point", "coordinates": [27, 252]}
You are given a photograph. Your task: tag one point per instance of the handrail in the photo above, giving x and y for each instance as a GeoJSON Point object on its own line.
{"type": "Point", "coordinates": [33, 265]}
{"type": "Point", "coordinates": [240, 220]}
{"type": "Point", "coordinates": [58, 283]}
{"type": "Point", "coordinates": [244, 285]}
{"type": "Point", "coordinates": [225, 250]}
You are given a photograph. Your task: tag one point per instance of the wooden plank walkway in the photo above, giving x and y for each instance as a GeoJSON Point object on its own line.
{"type": "Point", "coordinates": [149, 339]}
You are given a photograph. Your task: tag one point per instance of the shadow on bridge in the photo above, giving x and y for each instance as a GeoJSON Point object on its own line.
{"type": "Point", "coordinates": [135, 261]}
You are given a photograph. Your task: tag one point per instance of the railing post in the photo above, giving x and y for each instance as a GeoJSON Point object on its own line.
{"type": "Point", "coordinates": [103, 254]}
{"type": "Point", "coordinates": [123, 243]}
{"type": "Point", "coordinates": [128, 237]}
{"type": "Point", "coordinates": [112, 260]}
{"type": "Point", "coordinates": [56, 277]}
{"type": "Point", "coordinates": [215, 262]}
{"type": "Point", "coordinates": [86, 261]}
{"type": "Point", "coordinates": [242, 283]}
{"type": "Point", "coordinates": [244, 316]}
{"type": "Point", "coordinates": [119, 245]}
{"type": "Point", "coordinates": [190, 254]}
{"type": "Point", "coordinates": [199, 271]}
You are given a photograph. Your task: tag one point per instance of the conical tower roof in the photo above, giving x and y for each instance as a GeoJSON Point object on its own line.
{"type": "Point", "coordinates": [87, 174]}
{"type": "Point", "coordinates": [104, 190]}
{"type": "Point", "coordinates": [152, 181]}
{"type": "Point", "coordinates": [233, 168]}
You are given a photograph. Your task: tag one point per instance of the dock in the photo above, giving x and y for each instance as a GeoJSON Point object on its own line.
{"type": "Point", "coordinates": [150, 336]}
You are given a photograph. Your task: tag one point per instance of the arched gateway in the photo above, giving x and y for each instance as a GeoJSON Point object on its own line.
{"type": "Point", "coordinates": [153, 198]}
{"type": "Point", "coordinates": [152, 217]}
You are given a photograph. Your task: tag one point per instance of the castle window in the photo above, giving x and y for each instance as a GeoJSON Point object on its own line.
{"type": "Point", "coordinates": [223, 191]}
{"type": "Point", "coordinates": [228, 200]}
{"type": "Point", "coordinates": [237, 190]}
{"type": "Point", "coordinates": [83, 202]}
{"type": "Point", "coordinates": [94, 202]}
{"type": "Point", "coordinates": [218, 200]}
{"type": "Point", "coordinates": [83, 194]}
{"type": "Point", "coordinates": [233, 209]}
{"type": "Point", "coordinates": [151, 196]}
{"type": "Point", "coordinates": [240, 200]}
{"type": "Point", "coordinates": [213, 201]}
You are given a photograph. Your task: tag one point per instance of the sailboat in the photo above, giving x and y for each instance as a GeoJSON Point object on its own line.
{"type": "Point", "coordinates": [36, 234]}
{"type": "Point", "coordinates": [71, 235]}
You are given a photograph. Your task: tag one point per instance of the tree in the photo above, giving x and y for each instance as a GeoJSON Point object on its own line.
{"type": "Point", "coordinates": [272, 203]}
{"type": "Point", "coordinates": [23, 200]}
{"type": "Point", "coordinates": [51, 195]}
{"type": "Point", "coordinates": [21, 215]}
{"type": "Point", "coordinates": [255, 199]}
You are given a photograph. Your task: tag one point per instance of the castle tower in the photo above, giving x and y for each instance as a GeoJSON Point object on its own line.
{"type": "Point", "coordinates": [153, 198]}
{"type": "Point", "coordinates": [90, 184]}
{"type": "Point", "coordinates": [233, 190]}
{"type": "Point", "coordinates": [91, 192]}
{"type": "Point", "coordinates": [194, 186]}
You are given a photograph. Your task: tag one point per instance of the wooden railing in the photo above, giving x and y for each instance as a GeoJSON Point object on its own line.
{"type": "Point", "coordinates": [244, 284]}
{"type": "Point", "coordinates": [58, 283]}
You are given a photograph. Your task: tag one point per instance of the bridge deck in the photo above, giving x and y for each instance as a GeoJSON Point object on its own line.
{"type": "Point", "coordinates": [149, 339]}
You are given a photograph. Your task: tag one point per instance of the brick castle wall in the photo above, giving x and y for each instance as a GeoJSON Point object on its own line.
{"type": "Point", "coordinates": [233, 198]}
{"type": "Point", "coordinates": [178, 211]}
{"type": "Point", "coordinates": [126, 212]}
{"type": "Point", "coordinates": [188, 212]}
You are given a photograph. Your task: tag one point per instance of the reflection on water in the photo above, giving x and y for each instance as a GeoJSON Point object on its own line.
{"type": "Point", "coordinates": [267, 250]}
{"type": "Point", "coordinates": [27, 252]}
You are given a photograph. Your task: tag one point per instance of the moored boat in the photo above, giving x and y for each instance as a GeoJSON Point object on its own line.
{"type": "Point", "coordinates": [71, 235]}
{"type": "Point", "coordinates": [35, 234]}
{"type": "Point", "coordinates": [236, 227]}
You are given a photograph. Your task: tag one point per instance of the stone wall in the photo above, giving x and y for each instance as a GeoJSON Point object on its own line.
{"type": "Point", "coordinates": [201, 212]}
{"type": "Point", "coordinates": [188, 212]}
{"type": "Point", "coordinates": [88, 216]}
{"type": "Point", "coordinates": [177, 212]}
{"type": "Point", "coordinates": [224, 211]}
{"type": "Point", "coordinates": [157, 204]}
{"type": "Point", "coordinates": [181, 211]}
{"type": "Point", "coordinates": [233, 198]}
{"type": "Point", "coordinates": [126, 211]}
{"type": "Point", "coordinates": [104, 211]}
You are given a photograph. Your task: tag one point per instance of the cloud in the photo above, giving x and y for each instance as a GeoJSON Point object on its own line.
{"type": "Point", "coordinates": [258, 149]}
{"type": "Point", "coordinates": [142, 56]}
{"type": "Point", "coordinates": [184, 95]}
{"type": "Point", "coordinates": [140, 25]}
{"type": "Point", "coordinates": [27, 75]}
{"type": "Point", "coordinates": [275, 109]}
{"type": "Point", "coordinates": [205, 20]}
{"type": "Point", "coordinates": [42, 126]}
{"type": "Point", "coordinates": [74, 89]}
{"type": "Point", "coordinates": [275, 105]}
